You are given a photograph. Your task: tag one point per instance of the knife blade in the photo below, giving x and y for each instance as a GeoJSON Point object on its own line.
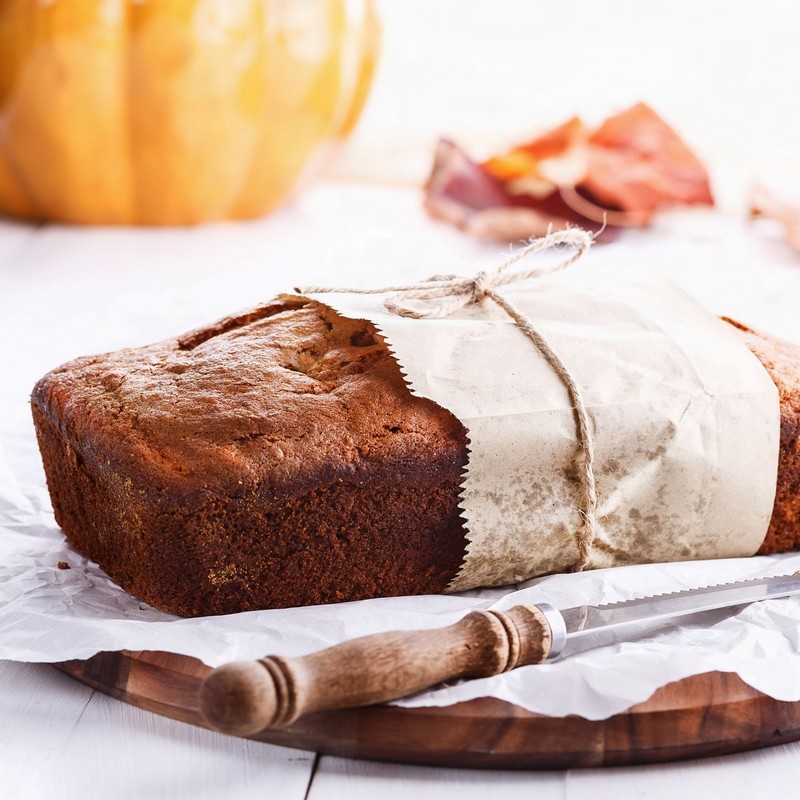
{"type": "Point", "coordinates": [573, 624]}
{"type": "Point", "coordinates": [247, 696]}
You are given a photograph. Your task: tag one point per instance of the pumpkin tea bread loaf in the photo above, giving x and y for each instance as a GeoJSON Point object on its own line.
{"type": "Point", "coordinates": [277, 458]}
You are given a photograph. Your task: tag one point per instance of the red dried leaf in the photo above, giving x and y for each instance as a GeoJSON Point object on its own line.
{"type": "Point", "coordinates": [638, 163]}
{"type": "Point", "coordinates": [464, 193]}
{"type": "Point", "coordinates": [619, 175]}
{"type": "Point", "coordinates": [556, 158]}
{"type": "Point", "coordinates": [458, 187]}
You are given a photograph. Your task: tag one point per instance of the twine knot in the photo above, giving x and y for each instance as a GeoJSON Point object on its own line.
{"type": "Point", "coordinates": [443, 295]}
{"type": "Point", "coordinates": [480, 286]}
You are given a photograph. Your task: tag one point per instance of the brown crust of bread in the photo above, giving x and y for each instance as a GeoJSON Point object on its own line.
{"type": "Point", "coordinates": [781, 359]}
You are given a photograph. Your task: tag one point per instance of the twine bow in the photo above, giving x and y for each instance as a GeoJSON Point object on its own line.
{"type": "Point", "coordinates": [443, 295]}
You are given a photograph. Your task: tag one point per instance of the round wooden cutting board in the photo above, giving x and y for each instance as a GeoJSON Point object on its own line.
{"type": "Point", "coordinates": [704, 715]}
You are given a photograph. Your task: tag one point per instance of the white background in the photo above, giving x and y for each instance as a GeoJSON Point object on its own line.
{"type": "Point", "coordinates": [725, 74]}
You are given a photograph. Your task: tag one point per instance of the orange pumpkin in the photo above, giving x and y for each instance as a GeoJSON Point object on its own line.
{"type": "Point", "coordinates": [173, 112]}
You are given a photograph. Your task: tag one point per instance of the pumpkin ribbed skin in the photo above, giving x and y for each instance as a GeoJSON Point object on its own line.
{"type": "Point", "coordinates": [173, 112]}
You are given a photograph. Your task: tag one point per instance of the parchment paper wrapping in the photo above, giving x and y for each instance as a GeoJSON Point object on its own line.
{"type": "Point", "coordinates": [685, 420]}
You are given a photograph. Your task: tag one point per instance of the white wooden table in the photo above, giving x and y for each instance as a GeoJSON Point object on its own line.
{"type": "Point", "coordinates": [725, 73]}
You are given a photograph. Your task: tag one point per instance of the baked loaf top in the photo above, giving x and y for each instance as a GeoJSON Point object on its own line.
{"type": "Point", "coordinates": [282, 398]}
{"type": "Point", "coordinates": [277, 458]}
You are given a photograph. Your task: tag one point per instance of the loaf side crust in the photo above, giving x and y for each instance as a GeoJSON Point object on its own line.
{"type": "Point", "coordinates": [781, 359]}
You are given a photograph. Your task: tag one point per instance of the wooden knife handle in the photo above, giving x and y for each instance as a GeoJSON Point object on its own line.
{"type": "Point", "coordinates": [247, 696]}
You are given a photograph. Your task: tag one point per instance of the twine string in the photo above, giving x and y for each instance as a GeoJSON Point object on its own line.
{"type": "Point", "coordinates": [443, 295]}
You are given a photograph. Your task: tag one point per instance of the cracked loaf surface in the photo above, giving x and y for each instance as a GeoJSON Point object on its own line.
{"type": "Point", "coordinates": [277, 458]}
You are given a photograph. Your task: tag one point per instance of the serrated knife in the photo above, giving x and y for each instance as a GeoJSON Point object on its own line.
{"type": "Point", "coordinates": [248, 696]}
